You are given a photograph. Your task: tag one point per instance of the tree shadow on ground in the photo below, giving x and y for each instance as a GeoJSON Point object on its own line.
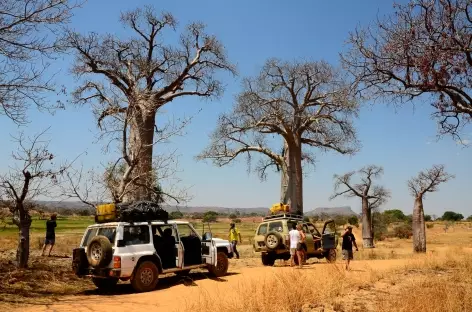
{"type": "Point", "coordinates": [125, 288]}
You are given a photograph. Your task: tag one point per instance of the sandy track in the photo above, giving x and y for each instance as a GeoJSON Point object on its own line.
{"type": "Point", "coordinates": [175, 294]}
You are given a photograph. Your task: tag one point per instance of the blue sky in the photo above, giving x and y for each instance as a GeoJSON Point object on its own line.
{"type": "Point", "coordinates": [402, 141]}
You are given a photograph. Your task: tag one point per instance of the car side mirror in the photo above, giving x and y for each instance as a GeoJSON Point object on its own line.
{"type": "Point", "coordinates": [120, 243]}
{"type": "Point", "coordinates": [207, 236]}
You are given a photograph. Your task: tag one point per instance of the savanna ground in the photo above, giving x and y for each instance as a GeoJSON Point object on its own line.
{"type": "Point", "coordinates": [387, 278]}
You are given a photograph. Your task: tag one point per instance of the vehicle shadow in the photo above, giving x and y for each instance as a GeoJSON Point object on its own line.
{"type": "Point", "coordinates": [125, 288]}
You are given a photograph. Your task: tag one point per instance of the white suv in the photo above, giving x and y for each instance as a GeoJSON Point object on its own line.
{"type": "Point", "coordinates": [141, 251]}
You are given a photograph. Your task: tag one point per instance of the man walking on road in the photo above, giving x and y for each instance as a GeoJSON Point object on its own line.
{"type": "Point", "coordinates": [234, 236]}
{"type": "Point", "coordinates": [348, 241]}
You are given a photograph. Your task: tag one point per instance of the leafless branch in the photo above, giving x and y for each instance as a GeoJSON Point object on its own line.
{"type": "Point", "coordinates": [428, 181]}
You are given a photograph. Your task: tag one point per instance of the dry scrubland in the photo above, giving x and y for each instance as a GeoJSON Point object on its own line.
{"type": "Point", "coordinates": [387, 278]}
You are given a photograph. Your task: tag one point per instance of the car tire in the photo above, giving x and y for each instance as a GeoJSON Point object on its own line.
{"type": "Point", "coordinates": [221, 266]}
{"type": "Point", "coordinates": [331, 256]}
{"type": "Point", "coordinates": [99, 252]}
{"type": "Point", "coordinates": [146, 277]}
{"type": "Point", "coordinates": [268, 259]}
{"type": "Point", "coordinates": [105, 284]}
{"type": "Point", "coordinates": [273, 240]}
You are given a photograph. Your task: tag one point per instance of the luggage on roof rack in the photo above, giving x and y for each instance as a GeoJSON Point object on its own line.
{"type": "Point", "coordinates": [140, 211]}
{"type": "Point", "coordinates": [284, 216]}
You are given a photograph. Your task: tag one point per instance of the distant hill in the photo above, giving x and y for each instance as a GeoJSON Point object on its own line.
{"type": "Point", "coordinates": [76, 205]}
{"type": "Point", "coordinates": [333, 211]}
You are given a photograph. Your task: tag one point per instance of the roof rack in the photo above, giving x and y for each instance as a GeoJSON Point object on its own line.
{"type": "Point", "coordinates": [284, 216]}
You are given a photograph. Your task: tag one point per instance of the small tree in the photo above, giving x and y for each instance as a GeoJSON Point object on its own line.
{"type": "Point", "coordinates": [34, 174]}
{"type": "Point", "coordinates": [372, 196]}
{"type": "Point", "coordinates": [469, 219]}
{"type": "Point", "coordinates": [176, 215]}
{"type": "Point", "coordinates": [210, 216]}
{"type": "Point", "coordinates": [426, 181]}
{"type": "Point", "coordinates": [452, 216]}
{"type": "Point", "coordinates": [396, 215]}
{"type": "Point", "coordinates": [427, 218]}
{"type": "Point", "coordinates": [353, 220]}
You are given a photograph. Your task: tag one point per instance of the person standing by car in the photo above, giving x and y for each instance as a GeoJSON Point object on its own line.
{"type": "Point", "coordinates": [50, 234]}
{"type": "Point", "coordinates": [295, 246]}
{"type": "Point", "coordinates": [234, 236]}
{"type": "Point", "coordinates": [302, 243]}
{"type": "Point", "coordinates": [348, 241]}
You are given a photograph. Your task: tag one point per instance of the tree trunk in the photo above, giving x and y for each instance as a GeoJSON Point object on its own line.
{"type": "Point", "coordinates": [418, 224]}
{"type": "Point", "coordinates": [141, 141]}
{"type": "Point", "coordinates": [22, 252]}
{"type": "Point", "coordinates": [367, 235]}
{"type": "Point", "coordinates": [292, 178]}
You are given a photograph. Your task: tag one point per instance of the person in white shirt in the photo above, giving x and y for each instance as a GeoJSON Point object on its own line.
{"type": "Point", "coordinates": [294, 244]}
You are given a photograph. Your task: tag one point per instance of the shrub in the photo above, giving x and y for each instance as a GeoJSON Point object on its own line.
{"type": "Point", "coordinates": [176, 215]}
{"type": "Point", "coordinates": [403, 231]}
{"type": "Point", "coordinates": [429, 225]}
{"type": "Point", "coordinates": [353, 220]}
{"type": "Point", "coordinates": [236, 220]}
{"type": "Point", "coordinates": [233, 216]}
{"type": "Point", "coordinates": [340, 220]}
{"type": "Point", "coordinates": [428, 218]}
{"type": "Point", "coordinates": [210, 216]}
{"type": "Point", "coordinates": [395, 215]}
{"type": "Point", "coordinates": [452, 216]}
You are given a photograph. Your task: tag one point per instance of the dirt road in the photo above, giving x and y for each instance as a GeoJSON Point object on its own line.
{"type": "Point", "coordinates": [175, 294]}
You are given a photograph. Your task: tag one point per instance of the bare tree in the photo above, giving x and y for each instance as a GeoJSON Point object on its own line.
{"type": "Point", "coordinates": [372, 196]}
{"type": "Point", "coordinates": [289, 105]}
{"type": "Point", "coordinates": [424, 48]}
{"type": "Point", "coordinates": [34, 174]}
{"type": "Point", "coordinates": [129, 80]}
{"type": "Point", "coordinates": [426, 181]}
{"type": "Point", "coordinates": [30, 30]}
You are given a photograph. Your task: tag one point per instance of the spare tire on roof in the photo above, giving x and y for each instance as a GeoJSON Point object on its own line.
{"type": "Point", "coordinates": [99, 251]}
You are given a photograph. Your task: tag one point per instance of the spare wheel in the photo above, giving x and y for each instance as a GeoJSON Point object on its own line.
{"type": "Point", "coordinates": [99, 251]}
{"type": "Point", "coordinates": [273, 240]}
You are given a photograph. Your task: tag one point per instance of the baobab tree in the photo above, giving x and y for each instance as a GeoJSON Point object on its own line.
{"type": "Point", "coordinates": [426, 181]}
{"type": "Point", "coordinates": [30, 30]}
{"type": "Point", "coordinates": [372, 196]}
{"type": "Point", "coordinates": [291, 104]}
{"type": "Point", "coordinates": [34, 174]}
{"type": "Point", "coordinates": [127, 81]}
{"type": "Point", "coordinates": [424, 48]}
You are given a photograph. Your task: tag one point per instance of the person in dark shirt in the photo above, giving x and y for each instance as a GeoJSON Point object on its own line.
{"type": "Point", "coordinates": [348, 241]}
{"type": "Point", "coordinates": [50, 234]}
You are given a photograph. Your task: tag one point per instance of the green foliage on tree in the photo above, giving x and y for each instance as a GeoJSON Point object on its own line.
{"type": "Point", "coordinates": [396, 215]}
{"type": "Point", "coordinates": [428, 218]}
{"type": "Point", "coordinates": [210, 216]}
{"type": "Point", "coordinates": [452, 216]}
{"type": "Point", "coordinates": [353, 220]}
{"type": "Point", "coordinates": [340, 220]}
{"type": "Point", "coordinates": [469, 218]}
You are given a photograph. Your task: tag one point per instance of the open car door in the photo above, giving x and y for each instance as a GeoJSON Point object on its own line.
{"type": "Point", "coordinates": [328, 235]}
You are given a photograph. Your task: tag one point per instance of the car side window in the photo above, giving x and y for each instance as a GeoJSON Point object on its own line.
{"type": "Point", "coordinates": [305, 228]}
{"type": "Point", "coordinates": [185, 231]}
{"type": "Point", "coordinates": [276, 226]}
{"type": "Point", "coordinates": [262, 229]}
{"type": "Point", "coordinates": [136, 235]}
{"type": "Point", "coordinates": [91, 233]}
{"type": "Point", "coordinates": [109, 232]}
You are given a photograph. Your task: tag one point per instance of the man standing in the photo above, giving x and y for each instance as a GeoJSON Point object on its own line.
{"type": "Point", "coordinates": [295, 246]}
{"type": "Point", "coordinates": [50, 234]}
{"type": "Point", "coordinates": [234, 236]}
{"type": "Point", "coordinates": [348, 241]}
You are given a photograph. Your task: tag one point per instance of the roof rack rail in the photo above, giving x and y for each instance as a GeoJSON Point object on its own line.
{"type": "Point", "coordinates": [284, 216]}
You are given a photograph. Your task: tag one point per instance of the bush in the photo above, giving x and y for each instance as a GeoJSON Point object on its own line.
{"type": "Point", "coordinates": [210, 216]}
{"type": "Point", "coordinates": [469, 218]}
{"type": "Point", "coordinates": [380, 224]}
{"type": "Point", "coordinates": [236, 220]}
{"type": "Point", "coordinates": [429, 225]}
{"type": "Point", "coordinates": [395, 215]}
{"type": "Point", "coordinates": [176, 215]}
{"type": "Point", "coordinates": [403, 231]}
{"type": "Point", "coordinates": [340, 220]}
{"type": "Point", "coordinates": [233, 216]}
{"type": "Point", "coordinates": [428, 218]}
{"type": "Point", "coordinates": [353, 220]}
{"type": "Point", "coordinates": [452, 216]}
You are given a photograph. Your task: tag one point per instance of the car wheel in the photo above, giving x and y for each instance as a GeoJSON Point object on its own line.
{"type": "Point", "coordinates": [221, 266]}
{"type": "Point", "coordinates": [146, 277]}
{"type": "Point", "coordinates": [105, 284]}
{"type": "Point", "coordinates": [331, 256]}
{"type": "Point", "coordinates": [273, 240]}
{"type": "Point", "coordinates": [268, 259]}
{"type": "Point", "coordinates": [99, 252]}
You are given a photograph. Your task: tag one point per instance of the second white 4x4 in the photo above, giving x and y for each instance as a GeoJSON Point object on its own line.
{"type": "Point", "coordinates": [141, 251]}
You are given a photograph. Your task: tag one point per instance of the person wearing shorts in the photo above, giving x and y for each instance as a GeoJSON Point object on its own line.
{"type": "Point", "coordinates": [348, 241]}
{"type": "Point", "coordinates": [294, 245]}
{"type": "Point", "coordinates": [302, 243]}
{"type": "Point", "coordinates": [50, 234]}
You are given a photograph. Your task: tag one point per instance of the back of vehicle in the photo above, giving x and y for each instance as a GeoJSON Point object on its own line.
{"type": "Point", "coordinates": [95, 256]}
{"type": "Point", "coordinates": [272, 236]}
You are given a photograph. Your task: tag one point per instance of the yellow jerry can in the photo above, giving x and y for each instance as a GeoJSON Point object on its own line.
{"type": "Point", "coordinates": [105, 212]}
{"type": "Point", "coordinates": [279, 208]}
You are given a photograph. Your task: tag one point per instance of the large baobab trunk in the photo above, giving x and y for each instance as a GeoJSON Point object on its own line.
{"type": "Point", "coordinates": [419, 231]}
{"type": "Point", "coordinates": [292, 179]}
{"type": "Point", "coordinates": [367, 235]}
{"type": "Point", "coordinates": [22, 252]}
{"type": "Point", "coordinates": [141, 142]}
